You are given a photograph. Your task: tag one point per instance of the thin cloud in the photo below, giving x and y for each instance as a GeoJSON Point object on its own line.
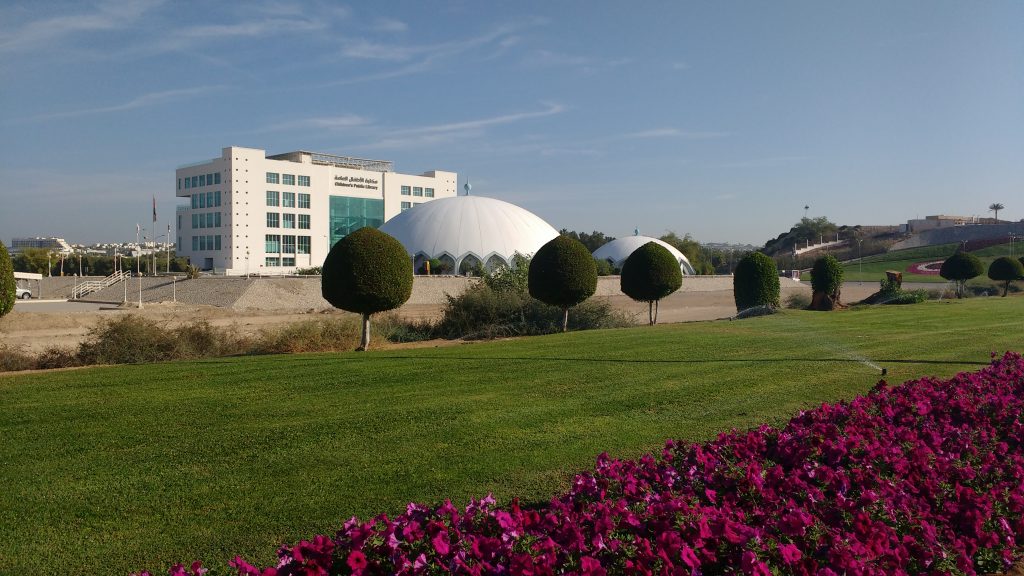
{"type": "Point", "coordinates": [770, 162]}
{"type": "Point", "coordinates": [671, 133]}
{"type": "Point", "coordinates": [390, 25]}
{"type": "Point", "coordinates": [485, 122]}
{"type": "Point", "coordinates": [322, 123]}
{"type": "Point", "coordinates": [50, 31]}
{"type": "Point", "coordinates": [151, 99]}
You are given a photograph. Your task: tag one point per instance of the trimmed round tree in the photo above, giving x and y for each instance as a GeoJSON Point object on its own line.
{"type": "Point", "coordinates": [367, 272]}
{"type": "Point", "coordinates": [755, 282]}
{"type": "Point", "coordinates": [960, 268]}
{"type": "Point", "coordinates": [7, 283]}
{"type": "Point", "coordinates": [826, 281]}
{"type": "Point", "coordinates": [1005, 269]}
{"type": "Point", "coordinates": [562, 274]}
{"type": "Point", "coordinates": [648, 275]}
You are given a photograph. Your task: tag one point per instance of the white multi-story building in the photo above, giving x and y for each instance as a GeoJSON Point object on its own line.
{"type": "Point", "coordinates": [249, 213]}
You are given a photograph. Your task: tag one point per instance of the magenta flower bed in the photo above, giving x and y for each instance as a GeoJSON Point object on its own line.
{"type": "Point", "coordinates": [922, 478]}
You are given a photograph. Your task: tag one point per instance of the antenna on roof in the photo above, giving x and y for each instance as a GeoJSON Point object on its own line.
{"type": "Point", "coordinates": [636, 231]}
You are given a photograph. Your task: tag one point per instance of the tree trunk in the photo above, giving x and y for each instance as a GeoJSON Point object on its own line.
{"type": "Point", "coordinates": [364, 343]}
{"type": "Point", "coordinates": [650, 313]}
{"type": "Point", "coordinates": [1006, 288]}
{"type": "Point", "coordinates": [565, 320]}
{"type": "Point", "coordinates": [655, 313]}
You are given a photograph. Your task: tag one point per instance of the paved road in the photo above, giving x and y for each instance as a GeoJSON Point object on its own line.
{"type": "Point", "coordinates": [58, 306]}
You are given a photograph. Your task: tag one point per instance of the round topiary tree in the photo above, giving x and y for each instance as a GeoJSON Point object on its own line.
{"type": "Point", "coordinates": [755, 282]}
{"type": "Point", "coordinates": [367, 272]}
{"type": "Point", "coordinates": [826, 281]}
{"type": "Point", "coordinates": [7, 283]}
{"type": "Point", "coordinates": [1005, 269]}
{"type": "Point", "coordinates": [648, 275]}
{"type": "Point", "coordinates": [562, 274]}
{"type": "Point", "coordinates": [960, 268]}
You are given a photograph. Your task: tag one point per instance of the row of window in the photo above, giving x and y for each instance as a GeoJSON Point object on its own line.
{"type": "Point", "coordinates": [201, 243]}
{"type": "Point", "coordinates": [283, 261]}
{"type": "Point", "coordinates": [200, 181]}
{"type": "Point", "coordinates": [276, 220]}
{"type": "Point", "coordinates": [207, 220]}
{"type": "Point", "coordinates": [407, 205]}
{"type": "Point", "coordinates": [286, 199]}
{"type": "Point", "coordinates": [286, 179]}
{"type": "Point", "coordinates": [207, 200]}
{"type": "Point", "coordinates": [278, 244]}
{"type": "Point", "coordinates": [417, 191]}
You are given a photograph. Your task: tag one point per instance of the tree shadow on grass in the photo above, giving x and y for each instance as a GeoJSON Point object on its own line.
{"type": "Point", "coordinates": [375, 358]}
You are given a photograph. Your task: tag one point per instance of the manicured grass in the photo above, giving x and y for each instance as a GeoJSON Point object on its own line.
{"type": "Point", "coordinates": [107, 470]}
{"type": "Point", "coordinates": [873, 268]}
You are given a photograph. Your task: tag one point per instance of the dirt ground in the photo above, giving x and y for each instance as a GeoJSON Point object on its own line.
{"type": "Point", "coordinates": [34, 329]}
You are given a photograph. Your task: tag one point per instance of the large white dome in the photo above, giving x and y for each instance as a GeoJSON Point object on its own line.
{"type": "Point", "coordinates": [619, 249]}
{"type": "Point", "coordinates": [471, 230]}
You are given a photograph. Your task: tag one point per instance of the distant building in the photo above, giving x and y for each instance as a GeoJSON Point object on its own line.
{"type": "Point", "coordinates": [54, 244]}
{"type": "Point", "coordinates": [944, 221]}
{"type": "Point", "coordinates": [252, 213]}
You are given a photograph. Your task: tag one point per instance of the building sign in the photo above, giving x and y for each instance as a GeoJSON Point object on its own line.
{"type": "Point", "coordinates": [356, 182]}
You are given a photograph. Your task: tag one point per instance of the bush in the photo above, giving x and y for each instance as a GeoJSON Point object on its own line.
{"type": "Point", "coordinates": [367, 272]}
{"type": "Point", "coordinates": [649, 274]}
{"type": "Point", "coordinates": [960, 268]}
{"type": "Point", "coordinates": [604, 267]}
{"type": "Point", "coordinates": [311, 271]}
{"type": "Point", "coordinates": [826, 275]}
{"type": "Point", "coordinates": [563, 274]}
{"type": "Point", "coordinates": [15, 359]}
{"type": "Point", "coordinates": [756, 282]}
{"type": "Point", "coordinates": [1005, 269]}
{"type": "Point", "coordinates": [7, 283]}
{"type": "Point", "coordinates": [798, 301]}
{"type": "Point", "coordinates": [127, 339]}
{"type": "Point", "coordinates": [319, 335]}
{"type": "Point", "coordinates": [892, 292]}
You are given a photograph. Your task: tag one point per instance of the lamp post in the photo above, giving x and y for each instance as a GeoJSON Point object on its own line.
{"type": "Point", "coordinates": [860, 256]}
{"type": "Point", "coordinates": [138, 261]}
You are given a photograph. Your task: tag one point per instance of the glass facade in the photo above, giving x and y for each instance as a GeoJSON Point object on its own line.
{"type": "Point", "coordinates": [350, 214]}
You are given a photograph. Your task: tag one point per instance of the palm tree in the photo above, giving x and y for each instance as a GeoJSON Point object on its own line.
{"type": "Point", "coordinates": [996, 207]}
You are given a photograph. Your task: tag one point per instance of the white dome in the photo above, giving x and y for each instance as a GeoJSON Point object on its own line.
{"type": "Point", "coordinates": [619, 249]}
{"type": "Point", "coordinates": [462, 228]}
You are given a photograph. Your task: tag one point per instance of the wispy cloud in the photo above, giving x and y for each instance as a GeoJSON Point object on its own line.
{"type": "Point", "coordinates": [151, 99]}
{"type": "Point", "coordinates": [672, 133]}
{"type": "Point", "coordinates": [770, 162]}
{"type": "Point", "coordinates": [588, 64]}
{"type": "Point", "coordinates": [322, 123]}
{"type": "Point", "coordinates": [50, 31]}
{"type": "Point", "coordinates": [390, 25]}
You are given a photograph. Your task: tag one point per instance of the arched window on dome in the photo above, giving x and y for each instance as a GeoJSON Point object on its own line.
{"type": "Point", "coordinates": [447, 264]}
{"type": "Point", "coordinates": [470, 266]}
{"type": "Point", "coordinates": [495, 262]}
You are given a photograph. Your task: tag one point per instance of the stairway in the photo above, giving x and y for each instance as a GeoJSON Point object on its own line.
{"type": "Point", "coordinates": [90, 286]}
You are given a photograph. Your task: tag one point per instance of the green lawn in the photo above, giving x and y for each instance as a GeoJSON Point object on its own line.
{"type": "Point", "coordinates": [873, 268]}
{"type": "Point", "coordinates": [107, 470]}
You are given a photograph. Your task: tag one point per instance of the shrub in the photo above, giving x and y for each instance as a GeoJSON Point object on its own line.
{"type": "Point", "coordinates": [311, 271]}
{"type": "Point", "coordinates": [1005, 269]}
{"type": "Point", "coordinates": [57, 357]}
{"type": "Point", "coordinates": [892, 292]}
{"type": "Point", "coordinates": [14, 359]}
{"type": "Point", "coordinates": [318, 335]}
{"type": "Point", "coordinates": [7, 283]}
{"type": "Point", "coordinates": [921, 478]}
{"type": "Point", "coordinates": [563, 274]}
{"type": "Point", "coordinates": [604, 267]}
{"type": "Point", "coordinates": [798, 300]}
{"type": "Point", "coordinates": [756, 282]}
{"type": "Point", "coordinates": [367, 272]}
{"type": "Point", "coordinates": [510, 279]}
{"type": "Point", "coordinates": [649, 274]}
{"type": "Point", "coordinates": [960, 268]}
{"type": "Point", "coordinates": [826, 275]}
{"type": "Point", "coordinates": [127, 339]}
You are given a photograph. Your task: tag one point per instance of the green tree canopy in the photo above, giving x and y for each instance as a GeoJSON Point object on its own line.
{"type": "Point", "coordinates": [367, 272]}
{"type": "Point", "coordinates": [691, 249]}
{"type": "Point", "coordinates": [1005, 269]}
{"type": "Point", "coordinates": [592, 241]}
{"type": "Point", "coordinates": [960, 268]}
{"type": "Point", "coordinates": [756, 282]}
{"type": "Point", "coordinates": [563, 274]}
{"type": "Point", "coordinates": [649, 274]}
{"type": "Point", "coordinates": [7, 283]}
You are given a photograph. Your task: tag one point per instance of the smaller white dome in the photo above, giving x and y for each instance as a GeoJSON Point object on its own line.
{"type": "Point", "coordinates": [619, 249]}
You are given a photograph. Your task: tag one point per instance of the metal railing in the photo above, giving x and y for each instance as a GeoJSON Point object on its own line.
{"type": "Point", "coordinates": [90, 286]}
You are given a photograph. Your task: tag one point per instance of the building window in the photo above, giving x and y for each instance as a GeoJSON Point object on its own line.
{"type": "Point", "coordinates": [209, 199]}
{"type": "Point", "coordinates": [216, 219]}
{"type": "Point", "coordinates": [406, 206]}
{"type": "Point", "coordinates": [273, 261]}
{"type": "Point", "coordinates": [216, 198]}
{"type": "Point", "coordinates": [303, 244]}
{"type": "Point", "coordinates": [202, 180]}
{"type": "Point", "coordinates": [195, 201]}
{"type": "Point", "coordinates": [288, 179]}
{"type": "Point", "coordinates": [428, 192]}
{"type": "Point", "coordinates": [195, 181]}
{"type": "Point", "coordinates": [288, 261]}
{"type": "Point", "coordinates": [288, 221]}
{"type": "Point", "coordinates": [195, 220]}
{"type": "Point", "coordinates": [179, 224]}
{"type": "Point", "coordinates": [288, 245]}
{"type": "Point", "coordinates": [406, 191]}
{"type": "Point", "coordinates": [179, 183]}
{"type": "Point", "coordinates": [202, 200]}
{"type": "Point", "coordinates": [304, 221]}
{"type": "Point", "coordinates": [187, 184]}
{"type": "Point", "coordinates": [288, 199]}
{"type": "Point", "coordinates": [303, 180]}
{"type": "Point", "coordinates": [216, 178]}
{"type": "Point", "coordinates": [417, 191]}
{"type": "Point", "coordinates": [202, 243]}
{"type": "Point", "coordinates": [273, 220]}
{"type": "Point", "coordinates": [209, 220]}
{"type": "Point", "coordinates": [273, 243]}
{"type": "Point", "coordinates": [217, 242]}
{"type": "Point", "coordinates": [273, 178]}
{"type": "Point", "coordinates": [346, 215]}
{"type": "Point", "coordinates": [273, 198]}
{"type": "Point", "coordinates": [303, 200]}
{"type": "Point", "coordinates": [195, 243]}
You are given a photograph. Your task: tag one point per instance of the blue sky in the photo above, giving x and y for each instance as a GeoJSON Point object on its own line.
{"type": "Point", "coordinates": [717, 119]}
